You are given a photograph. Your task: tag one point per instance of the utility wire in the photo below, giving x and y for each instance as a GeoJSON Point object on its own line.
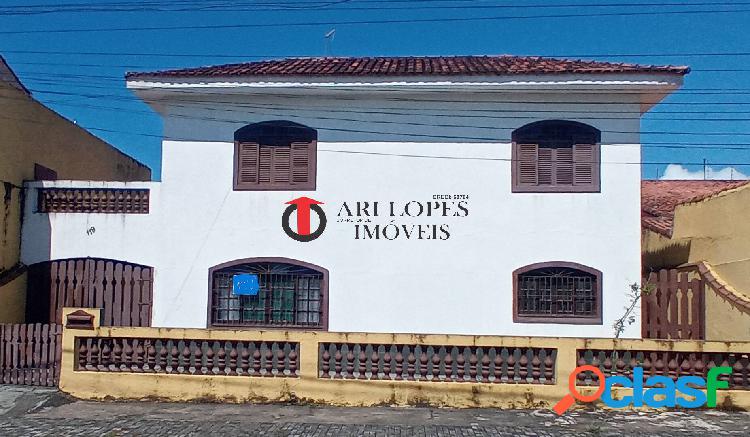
{"type": "Point", "coordinates": [403, 154]}
{"type": "Point", "coordinates": [74, 78]}
{"type": "Point", "coordinates": [291, 55]}
{"type": "Point", "coordinates": [388, 95]}
{"type": "Point", "coordinates": [272, 107]}
{"type": "Point", "coordinates": [367, 22]}
{"type": "Point", "coordinates": [335, 5]}
{"type": "Point", "coordinates": [681, 145]}
{"type": "Point", "coordinates": [280, 112]}
{"type": "Point", "coordinates": [376, 110]}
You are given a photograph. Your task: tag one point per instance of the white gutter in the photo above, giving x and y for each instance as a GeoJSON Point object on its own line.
{"type": "Point", "coordinates": [493, 83]}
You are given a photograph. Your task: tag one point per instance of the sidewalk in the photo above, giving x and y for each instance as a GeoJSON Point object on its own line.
{"type": "Point", "coordinates": [28, 411]}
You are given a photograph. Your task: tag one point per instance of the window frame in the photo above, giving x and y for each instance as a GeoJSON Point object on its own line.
{"type": "Point", "coordinates": [595, 319]}
{"type": "Point", "coordinates": [273, 134]}
{"type": "Point", "coordinates": [579, 134]}
{"type": "Point", "coordinates": [323, 326]}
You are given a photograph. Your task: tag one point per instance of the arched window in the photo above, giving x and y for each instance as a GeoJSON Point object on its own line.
{"type": "Point", "coordinates": [275, 155]}
{"type": "Point", "coordinates": [557, 292]}
{"type": "Point", "coordinates": [556, 156]}
{"type": "Point", "coordinates": [286, 293]}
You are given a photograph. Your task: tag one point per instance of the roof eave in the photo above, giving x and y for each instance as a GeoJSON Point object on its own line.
{"type": "Point", "coordinates": [533, 82]}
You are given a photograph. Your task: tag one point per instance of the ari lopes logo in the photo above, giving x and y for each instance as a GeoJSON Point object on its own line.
{"type": "Point", "coordinates": [303, 206]}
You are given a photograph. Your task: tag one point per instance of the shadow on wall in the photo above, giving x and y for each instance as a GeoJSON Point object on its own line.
{"type": "Point", "coordinates": [667, 257]}
{"type": "Point", "coordinates": [13, 272]}
{"type": "Point", "coordinates": [37, 245]}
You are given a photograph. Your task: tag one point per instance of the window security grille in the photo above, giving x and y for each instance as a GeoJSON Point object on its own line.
{"type": "Point", "coordinates": [557, 292]}
{"type": "Point", "coordinates": [289, 296]}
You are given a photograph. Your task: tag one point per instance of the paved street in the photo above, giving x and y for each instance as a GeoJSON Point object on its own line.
{"type": "Point", "coordinates": [44, 412]}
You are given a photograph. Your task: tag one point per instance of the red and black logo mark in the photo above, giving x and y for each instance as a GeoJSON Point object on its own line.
{"type": "Point", "coordinates": [303, 206]}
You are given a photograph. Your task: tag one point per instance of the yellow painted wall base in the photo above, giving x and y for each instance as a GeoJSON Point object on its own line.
{"type": "Point", "coordinates": [309, 388]}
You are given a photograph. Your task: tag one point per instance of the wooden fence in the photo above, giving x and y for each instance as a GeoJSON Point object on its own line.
{"type": "Point", "coordinates": [675, 307]}
{"type": "Point", "coordinates": [30, 354]}
{"type": "Point", "coordinates": [123, 290]}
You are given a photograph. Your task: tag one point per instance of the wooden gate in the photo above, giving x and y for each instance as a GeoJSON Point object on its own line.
{"type": "Point", "coordinates": [675, 306]}
{"type": "Point", "coordinates": [30, 354]}
{"type": "Point", "coordinates": [122, 290]}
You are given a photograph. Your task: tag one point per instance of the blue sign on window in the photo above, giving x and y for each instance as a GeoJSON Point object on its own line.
{"type": "Point", "coordinates": [245, 284]}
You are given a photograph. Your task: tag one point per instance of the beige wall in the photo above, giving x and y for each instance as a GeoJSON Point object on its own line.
{"type": "Point", "coordinates": [725, 322]}
{"type": "Point", "coordinates": [717, 231]}
{"type": "Point", "coordinates": [32, 133]}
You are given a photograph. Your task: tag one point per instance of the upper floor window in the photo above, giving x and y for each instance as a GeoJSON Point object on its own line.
{"type": "Point", "coordinates": [556, 156]}
{"type": "Point", "coordinates": [289, 294]}
{"type": "Point", "coordinates": [275, 155]}
{"type": "Point", "coordinates": [557, 292]}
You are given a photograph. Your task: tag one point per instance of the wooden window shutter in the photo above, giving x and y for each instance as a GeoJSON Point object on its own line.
{"type": "Point", "coordinates": [265, 165]}
{"type": "Point", "coordinates": [564, 166]}
{"type": "Point", "coordinates": [527, 158]}
{"type": "Point", "coordinates": [282, 166]}
{"type": "Point", "coordinates": [301, 162]}
{"type": "Point", "coordinates": [247, 164]}
{"type": "Point", "coordinates": [586, 164]}
{"type": "Point", "coordinates": [545, 164]}
{"type": "Point", "coordinates": [556, 156]}
{"type": "Point", "coordinates": [258, 166]}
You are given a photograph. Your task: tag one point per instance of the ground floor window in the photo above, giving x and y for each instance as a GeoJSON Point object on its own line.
{"type": "Point", "coordinates": [284, 293]}
{"type": "Point", "coordinates": [557, 292]}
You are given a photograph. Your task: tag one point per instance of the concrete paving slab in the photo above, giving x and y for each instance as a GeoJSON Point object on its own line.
{"type": "Point", "coordinates": [35, 411]}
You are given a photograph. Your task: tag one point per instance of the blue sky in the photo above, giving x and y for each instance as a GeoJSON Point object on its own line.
{"type": "Point", "coordinates": [713, 110]}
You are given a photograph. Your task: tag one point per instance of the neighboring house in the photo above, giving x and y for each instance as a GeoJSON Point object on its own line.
{"type": "Point", "coordinates": [704, 223]}
{"type": "Point", "coordinates": [37, 143]}
{"type": "Point", "coordinates": [457, 195]}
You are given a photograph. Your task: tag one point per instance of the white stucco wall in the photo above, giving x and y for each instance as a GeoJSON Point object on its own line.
{"type": "Point", "coordinates": [462, 285]}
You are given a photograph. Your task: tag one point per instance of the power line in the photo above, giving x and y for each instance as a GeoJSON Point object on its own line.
{"type": "Point", "coordinates": [401, 123]}
{"type": "Point", "coordinates": [291, 55]}
{"type": "Point", "coordinates": [427, 124]}
{"type": "Point", "coordinates": [412, 4]}
{"type": "Point", "coordinates": [37, 76]}
{"type": "Point", "coordinates": [162, 67]}
{"type": "Point", "coordinates": [385, 96]}
{"type": "Point", "coordinates": [306, 6]}
{"type": "Point", "coordinates": [367, 22]}
{"type": "Point", "coordinates": [682, 145]}
{"type": "Point", "coordinates": [287, 8]}
{"type": "Point", "coordinates": [152, 67]}
{"type": "Point", "coordinates": [422, 91]}
{"type": "Point", "coordinates": [572, 115]}
{"type": "Point", "coordinates": [425, 112]}
{"type": "Point", "coordinates": [400, 154]}
{"type": "Point", "coordinates": [358, 152]}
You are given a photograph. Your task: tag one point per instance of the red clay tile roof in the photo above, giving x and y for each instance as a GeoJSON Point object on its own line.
{"type": "Point", "coordinates": [413, 66]}
{"type": "Point", "coordinates": [659, 199]}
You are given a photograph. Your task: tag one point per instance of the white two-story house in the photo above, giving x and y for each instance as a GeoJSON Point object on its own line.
{"type": "Point", "coordinates": [457, 195]}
